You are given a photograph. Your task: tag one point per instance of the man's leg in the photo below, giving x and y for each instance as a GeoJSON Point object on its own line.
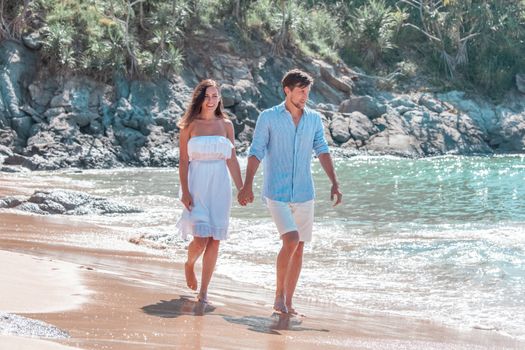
{"type": "Point", "coordinates": [303, 214]}
{"type": "Point", "coordinates": [292, 275]}
{"type": "Point", "coordinates": [208, 265]}
{"type": "Point", "coordinates": [195, 250]}
{"type": "Point", "coordinates": [290, 243]}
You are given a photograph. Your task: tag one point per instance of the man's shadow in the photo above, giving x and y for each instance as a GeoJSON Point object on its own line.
{"type": "Point", "coordinates": [273, 324]}
{"type": "Point", "coordinates": [176, 307]}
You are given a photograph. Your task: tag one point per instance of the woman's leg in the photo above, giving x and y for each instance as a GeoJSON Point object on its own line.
{"type": "Point", "coordinates": [195, 250]}
{"type": "Point", "coordinates": [208, 265]}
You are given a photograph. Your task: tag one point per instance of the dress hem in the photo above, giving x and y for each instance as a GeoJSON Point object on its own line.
{"type": "Point", "coordinates": [202, 231]}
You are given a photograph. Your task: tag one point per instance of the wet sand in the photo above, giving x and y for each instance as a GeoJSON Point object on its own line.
{"type": "Point", "coordinates": [133, 300]}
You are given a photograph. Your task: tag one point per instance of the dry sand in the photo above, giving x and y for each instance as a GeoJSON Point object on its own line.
{"type": "Point", "coordinates": [110, 299]}
{"type": "Point", "coordinates": [42, 285]}
{"type": "Point", "coordinates": [20, 343]}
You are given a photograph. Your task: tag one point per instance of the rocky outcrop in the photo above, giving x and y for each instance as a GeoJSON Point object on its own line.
{"type": "Point", "coordinates": [50, 122]}
{"type": "Point", "coordinates": [66, 202]}
{"type": "Point", "coordinates": [420, 132]}
{"type": "Point", "coordinates": [502, 126]}
{"type": "Point", "coordinates": [78, 122]}
{"type": "Point", "coordinates": [17, 66]}
{"type": "Point", "coordinates": [367, 105]}
{"type": "Point", "coordinates": [425, 124]}
{"type": "Point", "coordinates": [520, 83]}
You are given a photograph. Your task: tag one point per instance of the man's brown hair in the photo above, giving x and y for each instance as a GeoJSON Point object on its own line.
{"type": "Point", "coordinates": [297, 77]}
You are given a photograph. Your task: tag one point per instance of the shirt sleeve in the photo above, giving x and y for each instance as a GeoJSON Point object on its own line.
{"type": "Point", "coordinates": [260, 139]}
{"type": "Point", "coordinates": [320, 144]}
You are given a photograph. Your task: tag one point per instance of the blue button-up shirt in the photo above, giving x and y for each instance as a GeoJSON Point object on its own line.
{"type": "Point", "coordinates": [286, 152]}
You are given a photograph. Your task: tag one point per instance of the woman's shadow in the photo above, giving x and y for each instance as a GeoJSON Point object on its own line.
{"type": "Point", "coordinates": [185, 305]}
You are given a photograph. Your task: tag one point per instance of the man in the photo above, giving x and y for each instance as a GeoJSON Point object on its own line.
{"type": "Point", "coordinates": [284, 137]}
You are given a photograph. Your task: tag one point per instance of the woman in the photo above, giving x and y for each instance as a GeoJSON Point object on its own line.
{"type": "Point", "coordinates": [206, 154]}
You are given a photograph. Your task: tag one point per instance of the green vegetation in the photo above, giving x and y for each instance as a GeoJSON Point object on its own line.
{"type": "Point", "coordinates": [373, 27]}
{"type": "Point", "coordinates": [476, 44]}
{"type": "Point", "coordinates": [140, 37]}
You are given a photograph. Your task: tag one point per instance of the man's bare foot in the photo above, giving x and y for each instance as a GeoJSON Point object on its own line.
{"type": "Point", "coordinates": [191, 280]}
{"type": "Point", "coordinates": [279, 305]}
{"type": "Point", "coordinates": [294, 312]}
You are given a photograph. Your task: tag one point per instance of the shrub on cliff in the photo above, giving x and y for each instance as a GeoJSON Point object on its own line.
{"type": "Point", "coordinates": [100, 37]}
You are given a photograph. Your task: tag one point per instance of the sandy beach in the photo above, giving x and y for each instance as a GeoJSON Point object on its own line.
{"type": "Point", "coordinates": [107, 299]}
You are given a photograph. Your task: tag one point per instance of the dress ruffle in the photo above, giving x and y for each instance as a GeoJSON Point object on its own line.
{"type": "Point", "coordinates": [186, 228]}
{"type": "Point", "coordinates": [209, 148]}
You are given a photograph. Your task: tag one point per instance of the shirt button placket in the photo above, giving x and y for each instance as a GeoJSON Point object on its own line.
{"type": "Point", "coordinates": [297, 148]}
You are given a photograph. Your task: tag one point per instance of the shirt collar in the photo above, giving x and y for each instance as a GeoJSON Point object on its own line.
{"type": "Point", "coordinates": [282, 109]}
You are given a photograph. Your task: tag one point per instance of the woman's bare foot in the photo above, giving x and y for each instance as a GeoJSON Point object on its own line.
{"type": "Point", "coordinates": [203, 298]}
{"type": "Point", "coordinates": [279, 305]}
{"type": "Point", "coordinates": [191, 280]}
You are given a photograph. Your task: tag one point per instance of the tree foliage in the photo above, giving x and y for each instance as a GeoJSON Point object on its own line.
{"type": "Point", "coordinates": [14, 18]}
{"type": "Point", "coordinates": [373, 27]}
{"type": "Point", "coordinates": [477, 42]}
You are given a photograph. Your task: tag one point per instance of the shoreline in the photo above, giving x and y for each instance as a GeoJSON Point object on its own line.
{"type": "Point", "coordinates": [135, 300]}
{"type": "Point", "coordinates": [140, 301]}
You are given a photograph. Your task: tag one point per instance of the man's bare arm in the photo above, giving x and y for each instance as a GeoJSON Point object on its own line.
{"type": "Point", "coordinates": [328, 166]}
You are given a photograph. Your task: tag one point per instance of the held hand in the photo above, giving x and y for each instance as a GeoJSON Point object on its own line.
{"type": "Point", "coordinates": [334, 192]}
{"type": "Point", "coordinates": [187, 201]}
{"type": "Point", "coordinates": [245, 196]}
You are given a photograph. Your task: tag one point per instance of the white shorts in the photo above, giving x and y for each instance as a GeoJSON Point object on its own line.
{"type": "Point", "coordinates": [293, 217]}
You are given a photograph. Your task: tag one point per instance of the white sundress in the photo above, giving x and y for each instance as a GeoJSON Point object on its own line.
{"type": "Point", "coordinates": [210, 188]}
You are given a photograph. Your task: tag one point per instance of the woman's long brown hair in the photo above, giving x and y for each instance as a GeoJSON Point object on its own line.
{"type": "Point", "coordinates": [195, 106]}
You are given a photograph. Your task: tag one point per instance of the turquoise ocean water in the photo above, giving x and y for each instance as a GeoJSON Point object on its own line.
{"type": "Point", "coordinates": [439, 239]}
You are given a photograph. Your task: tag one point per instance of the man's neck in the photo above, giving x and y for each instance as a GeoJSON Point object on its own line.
{"type": "Point", "coordinates": [294, 111]}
